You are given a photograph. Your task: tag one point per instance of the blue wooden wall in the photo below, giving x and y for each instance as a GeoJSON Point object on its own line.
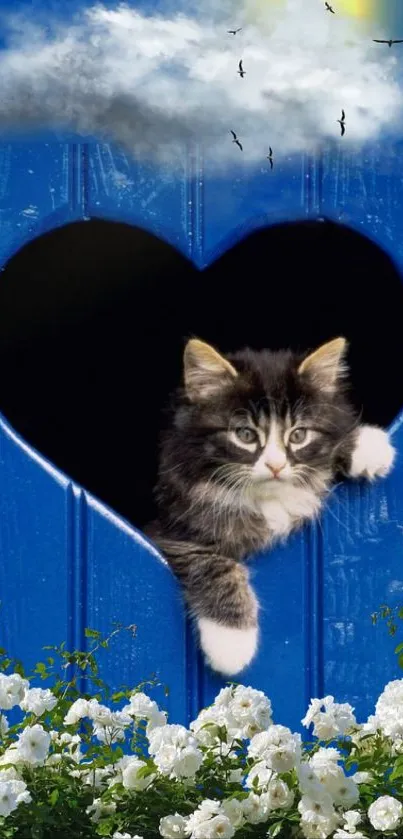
{"type": "Point", "coordinates": [67, 562]}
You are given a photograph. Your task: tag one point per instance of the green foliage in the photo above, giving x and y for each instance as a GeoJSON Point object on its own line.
{"type": "Point", "coordinates": [391, 616]}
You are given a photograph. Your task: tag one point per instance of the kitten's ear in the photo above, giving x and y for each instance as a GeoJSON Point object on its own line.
{"type": "Point", "coordinates": [326, 366]}
{"type": "Point", "coordinates": [206, 372]}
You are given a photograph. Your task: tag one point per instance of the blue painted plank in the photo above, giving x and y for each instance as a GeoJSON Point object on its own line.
{"type": "Point", "coordinates": [151, 197]}
{"type": "Point", "coordinates": [231, 206]}
{"type": "Point", "coordinates": [40, 189]}
{"type": "Point", "coordinates": [362, 553]}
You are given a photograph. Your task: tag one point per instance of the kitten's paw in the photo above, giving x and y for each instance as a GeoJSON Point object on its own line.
{"type": "Point", "coordinates": [227, 648]}
{"type": "Point", "coordinates": [373, 455]}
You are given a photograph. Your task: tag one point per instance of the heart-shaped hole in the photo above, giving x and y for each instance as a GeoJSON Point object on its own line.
{"type": "Point", "coordinates": [93, 318]}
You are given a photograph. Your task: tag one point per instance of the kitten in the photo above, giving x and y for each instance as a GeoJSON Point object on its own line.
{"type": "Point", "coordinates": [255, 442]}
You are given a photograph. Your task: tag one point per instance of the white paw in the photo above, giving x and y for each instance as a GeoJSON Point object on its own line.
{"type": "Point", "coordinates": [226, 648]}
{"type": "Point", "coordinates": [373, 455]}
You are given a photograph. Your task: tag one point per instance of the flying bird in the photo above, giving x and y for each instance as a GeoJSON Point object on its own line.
{"type": "Point", "coordinates": [241, 71]}
{"type": "Point", "coordinates": [234, 31]}
{"type": "Point", "coordinates": [342, 123]}
{"type": "Point", "coordinates": [235, 140]}
{"type": "Point", "coordinates": [389, 42]}
{"type": "Point", "coordinates": [270, 157]}
{"type": "Point", "coordinates": [329, 8]}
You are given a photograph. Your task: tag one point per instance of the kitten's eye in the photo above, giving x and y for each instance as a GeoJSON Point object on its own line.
{"type": "Point", "coordinates": [246, 434]}
{"type": "Point", "coordinates": [298, 435]}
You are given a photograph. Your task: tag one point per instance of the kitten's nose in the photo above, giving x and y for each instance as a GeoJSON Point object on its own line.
{"type": "Point", "coordinates": [275, 468]}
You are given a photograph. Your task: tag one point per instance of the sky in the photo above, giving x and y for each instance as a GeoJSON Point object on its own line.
{"type": "Point", "coordinates": [152, 82]}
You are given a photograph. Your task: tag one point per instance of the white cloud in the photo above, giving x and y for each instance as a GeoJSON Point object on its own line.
{"type": "Point", "coordinates": [151, 82]}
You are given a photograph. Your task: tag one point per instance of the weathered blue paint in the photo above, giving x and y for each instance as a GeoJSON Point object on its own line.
{"type": "Point", "coordinates": [66, 562]}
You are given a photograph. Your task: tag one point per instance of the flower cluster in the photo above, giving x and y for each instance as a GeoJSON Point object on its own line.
{"type": "Point", "coordinates": [79, 766]}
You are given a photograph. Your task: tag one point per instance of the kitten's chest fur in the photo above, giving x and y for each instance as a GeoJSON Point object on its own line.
{"type": "Point", "coordinates": [283, 508]}
{"type": "Point", "coordinates": [263, 518]}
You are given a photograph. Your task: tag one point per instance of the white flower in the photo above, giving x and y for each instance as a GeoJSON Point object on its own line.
{"type": "Point", "coordinates": [175, 751]}
{"type": "Point", "coordinates": [330, 719]}
{"type": "Point", "coordinates": [12, 690]}
{"type": "Point", "coordinates": [385, 813]}
{"type": "Point", "coordinates": [143, 708]}
{"type": "Point", "coordinates": [256, 807]}
{"type": "Point", "coordinates": [318, 817]}
{"type": "Point", "coordinates": [235, 776]}
{"type": "Point", "coordinates": [205, 727]}
{"type": "Point", "coordinates": [76, 712]}
{"type": "Point", "coordinates": [218, 827]}
{"type": "Point", "coordinates": [259, 777]}
{"type": "Point", "coordinates": [9, 774]}
{"type": "Point", "coordinates": [33, 744]}
{"type": "Point", "coordinates": [309, 783]}
{"type": "Point", "coordinates": [349, 831]}
{"type": "Point", "coordinates": [11, 755]}
{"type": "Point", "coordinates": [12, 793]}
{"type": "Point", "coordinates": [322, 806]}
{"type": "Point", "coordinates": [99, 808]}
{"type": "Point", "coordinates": [351, 819]}
{"type": "Point", "coordinates": [361, 777]}
{"type": "Point", "coordinates": [250, 709]}
{"type": "Point", "coordinates": [280, 797]}
{"type": "Point", "coordinates": [389, 709]}
{"type": "Point", "coordinates": [70, 742]}
{"type": "Point", "coordinates": [173, 827]}
{"type": "Point", "coordinates": [118, 835]}
{"type": "Point", "coordinates": [4, 726]}
{"type": "Point", "coordinates": [343, 790]}
{"type": "Point", "coordinates": [232, 808]}
{"type": "Point", "coordinates": [206, 810]}
{"type": "Point", "coordinates": [278, 747]}
{"type": "Point", "coordinates": [37, 701]}
{"type": "Point", "coordinates": [130, 775]}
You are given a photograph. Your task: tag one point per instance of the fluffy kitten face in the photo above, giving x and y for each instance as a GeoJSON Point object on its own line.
{"type": "Point", "coordinates": [262, 421]}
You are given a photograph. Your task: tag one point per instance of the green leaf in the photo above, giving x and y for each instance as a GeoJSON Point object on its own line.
{"type": "Point", "coordinates": [54, 796]}
{"type": "Point", "coordinates": [399, 648]}
{"type": "Point", "coordinates": [275, 829]}
{"type": "Point", "coordinates": [92, 633]}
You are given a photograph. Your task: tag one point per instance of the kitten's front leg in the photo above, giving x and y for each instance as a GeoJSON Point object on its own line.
{"type": "Point", "coordinates": [372, 455]}
{"type": "Point", "coordinates": [220, 599]}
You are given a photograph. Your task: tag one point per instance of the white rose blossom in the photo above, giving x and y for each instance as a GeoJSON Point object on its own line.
{"type": "Point", "coordinates": [77, 711]}
{"type": "Point", "coordinates": [100, 808]}
{"type": "Point", "coordinates": [330, 719]}
{"type": "Point", "coordinates": [12, 794]}
{"type": "Point", "coordinates": [33, 744]}
{"type": "Point", "coordinates": [37, 701]}
{"type": "Point", "coordinates": [175, 751]}
{"type": "Point", "coordinates": [12, 690]}
{"type": "Point", "coordinates": [385, 813]}
{"type": "Point", "coordinates": [277, 747]}
{"type": "Point", "coordinates": [173, 827]}
{"type": "Point", "coordinates": [218, 827]}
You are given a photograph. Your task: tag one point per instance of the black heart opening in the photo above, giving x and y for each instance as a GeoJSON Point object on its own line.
{"type": "Point", "coordinates": [93, 318]}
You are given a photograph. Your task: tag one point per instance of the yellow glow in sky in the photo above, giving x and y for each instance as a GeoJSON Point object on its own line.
{"type": "Point", "coordinates": [357, 8]}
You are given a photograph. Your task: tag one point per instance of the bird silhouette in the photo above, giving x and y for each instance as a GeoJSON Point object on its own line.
{"type": "Point", "coordinates": [389, 42]}
{"type": "Point", "coordinates": [234, 31]}
{"type": "Point", "coordinates": [270, 157]}
{"type": "Point", "coordinates": [241, 71]}
{"type": "Point", "coordinates": [329, 8]}
{"type": "Point", "coordinates": [342, 123]}
{"type": "Point", "coordinates": [235, 140]}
